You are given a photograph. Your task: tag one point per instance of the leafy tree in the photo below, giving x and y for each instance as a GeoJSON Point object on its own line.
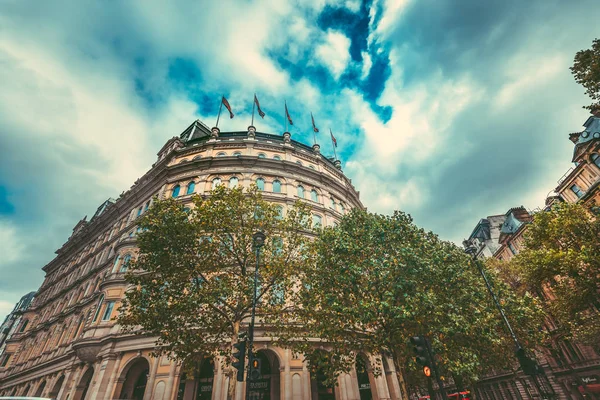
{"type": "Point", "coordinates": [561, 262]}
{"type": "Point", "coordinates": [378, 280]}
{"type": "Point", "coordinates": [192, 284]}
{"type": "Point", "coordinates": [586, 70]}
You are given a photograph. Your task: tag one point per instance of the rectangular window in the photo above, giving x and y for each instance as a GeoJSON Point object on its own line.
{"type": "Point", "coordinates": [5, 360]}
{"type": "Point", "coordinates": [108, 310]}
{"type": "Point", "coordinates": [577, 190]}
{"type": "Point", "coordinates": [512, 248]}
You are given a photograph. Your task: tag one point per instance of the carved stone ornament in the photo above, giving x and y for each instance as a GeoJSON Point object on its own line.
{"type": "Point", "coordinates": [287, 137]}
{"type": "Point", "coordinates": [338, 164]}
{"type": "Point", "coordinates": [251, 131]}
{"type": "Point", "coordinates": [88, 352]}
{"type": "Point", "coordinates": [214, 132]}
{"type": "Point", "coordinates": [317, 148]}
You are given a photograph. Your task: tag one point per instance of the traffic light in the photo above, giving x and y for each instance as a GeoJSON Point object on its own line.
{"type": "Point", "coordinates": [528, 365]}
{"type": "Point", "coordinates": [254, 370]}
{"type": "Point", "coordinates": [421, 349]}
{"type": "Point", "coordinates": [239, 358]}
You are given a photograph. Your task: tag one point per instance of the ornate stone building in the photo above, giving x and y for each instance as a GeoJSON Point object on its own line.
{"type": "Point", "coordinates": [68, 345]}
{"type": "Point", "coordinates": [573, 369]}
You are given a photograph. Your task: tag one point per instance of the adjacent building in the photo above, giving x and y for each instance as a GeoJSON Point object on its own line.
{"type": "Point", "coordinates": [573, 370]}
{"type": "Point", "coordinates": [68, 345]}
{"type": "Point", "coordinates": [11, 323]}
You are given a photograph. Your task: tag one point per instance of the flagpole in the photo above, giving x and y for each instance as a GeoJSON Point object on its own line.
{"type": "Point", "coordinates": [333, 144]}
{"type": "Point", "coordinates": [253, 105]}
{"type": "Point", "coordinates": [313, 124]}
{"type": "Point", "coordinates": [285, 115]}
{"type": "Point", "coordinates": [219, 115]}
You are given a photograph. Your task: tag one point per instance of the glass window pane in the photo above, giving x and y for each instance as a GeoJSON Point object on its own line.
{"type": "Point", "coordinates": [190, 188]}
{"type": "Point", "coordinates": [596, 160]}
{"type": "Point", "coordinates": [314, 196]}
{"type": "Point", "coordinates": [317, 220]}
{"type": "Point", "coordinates": [276, 186]}
{"type": "Point", "coordinates": [216, 182]}
{"type": "Point", "coordinates": [221, 154]}
{"type": "Point", "coordinates": [276, 158]}
{"type": "Point", "coordinates": [108, 310]}
{"type": "Point", "coordinates": [260, 183]}
{"type": "Point", "coordinates": [233, 182]}
{"type": "Point", "coordinates": [301, 191]}
{"type": "Point", "coordinates": [176, 190]}
{"type": "Point", "coordinates": [261, 155]}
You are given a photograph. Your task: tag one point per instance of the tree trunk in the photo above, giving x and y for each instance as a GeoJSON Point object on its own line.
{"type": "Point", "coordinates": [230, 371]}
{"type": "Point", "coordinates": [400, 375]}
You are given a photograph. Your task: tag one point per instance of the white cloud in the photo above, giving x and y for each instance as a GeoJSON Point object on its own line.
{"type": "Point", "coordinates": [11, 247]}
{"type": "Point", "coordinates": [334, 52]}
{"type": "Point", "coordinates": [367, 64]}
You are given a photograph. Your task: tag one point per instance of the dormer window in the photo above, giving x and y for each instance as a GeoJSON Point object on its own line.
{"type": "Point", "coordinates": [577, 190]}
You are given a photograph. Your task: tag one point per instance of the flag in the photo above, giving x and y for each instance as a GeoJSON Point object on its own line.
{"type": "Point", "coordinates": [227, 106]}
{"type": "Point", "coordinates": [260, 112]}
{"type": "Point", "coordinates": [333, 138]}
{"type": "Point", "coordinates": [315, 129]}
{"type": "Point", "coordinates": [287, 114]}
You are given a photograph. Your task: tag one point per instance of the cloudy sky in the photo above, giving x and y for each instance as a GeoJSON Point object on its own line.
{"type": "Point", "coordinates": [449, 110]}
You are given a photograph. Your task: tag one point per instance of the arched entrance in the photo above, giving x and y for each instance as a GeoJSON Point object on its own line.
{"type": "Point", "coordinates": [135, 378]}
{"type": "Point", "coordinates": [362, 375]}
{"type": "Point", "coordinates": [57, 386]}
{"type": "Point", "coordinates": [202, 386]}
{"type": "Point", "coordinates": [320, 390]}
{"type": "Point", "coordinates": [40, 389]}
{"type": "Point", "coordinates": [267, 386]}
{"type": "Point", "coordinates": [84, 384]}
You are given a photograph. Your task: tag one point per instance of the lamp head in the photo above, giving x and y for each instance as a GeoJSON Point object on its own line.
{"type": "Point", "coordinates": [259, 239]}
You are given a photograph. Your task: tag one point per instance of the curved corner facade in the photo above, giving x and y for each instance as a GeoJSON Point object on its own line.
{"type": "Point", "coordinates": [67, 345]}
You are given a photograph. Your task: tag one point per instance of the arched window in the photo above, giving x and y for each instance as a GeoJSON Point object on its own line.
{"type": "Point", "coordinates": [190, 188]}
{"type": "Point", "coordinates": [116, 262]}
{"type": "Point", "coordinates": [311, 166]}
{"type": "Point", "coordinates": [237, 153]}
{"type": "Point", "coordinates": [299, 162]}
{"type": "Point", "coordinates": [314, 196]}
{"type": "Point", "coordinates": [317, 220]}
{"type": "Point", "coordinates": [233, 182]}
{"type": "Point", "coordinates": [596, 159]}
{"type": "Point", "coordinates": [276, 186]}
{"type": "Point", "coordinates": [197, 158]}
{"type": "Point", "coordinates": [139, 212]}
{"type": "Point", "coordinates": [221, 154]}
{"type": "Point", "coordinates": [333, 203]}
{"type": "Point", "coordinates": [176, 190]}
{"type": "Point", "coordinates": [216, 182]}
{"type": "Point", "coordinates": [276, 157]}
{"type": "Point", "coordinates": [125, 264]}
{"type": "Point", "coordinates": [301, 191]}
{"type": "Point", "coordinates": [100, 301]}
{"type": "Point", "coordinates": [279, 212]}
{"type": "Point", "coordinates": [260, 183]}
{"type": "Point", "coordinates": [261, 155]}
{"type": "Point", "coordinates": [147, 206]}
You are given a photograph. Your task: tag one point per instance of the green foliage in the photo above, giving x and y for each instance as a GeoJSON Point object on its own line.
{"type": "Point", "coordinates": [192, 283]}
{"type": "Point", "coordinates": [562, 259]}
{"type": "Point", "coordinates": [586, 70]}
{"type": "Point", "coordinates": [378, 280]}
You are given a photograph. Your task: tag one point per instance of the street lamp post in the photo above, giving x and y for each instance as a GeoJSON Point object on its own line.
{"type": "Point", "coordinates": [258, 239]}
{"type": "Point", "coordinates": [530, 366]}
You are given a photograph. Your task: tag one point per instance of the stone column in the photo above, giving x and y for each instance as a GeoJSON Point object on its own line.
{"type": "Point", "coordinates": [285, 378]}
{"type": "Point", "coordinates": [171, 382]}
{"type": "Point", "coordinates": [151, 379]}
{"type": "Point", "coordinates": [98, 379]}
{"type": "Point", "coordinates": [71, 384]}
{"type": "Point", "coordinates": [306, 382]}
{"type": "Point", "coordinates": [110, 386]}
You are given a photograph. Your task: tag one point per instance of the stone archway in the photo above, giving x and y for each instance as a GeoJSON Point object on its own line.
{"type": "Point", "coordinates": [200, 386]}
{"type": "Point", "coordinates": [133, 380]}
{"type": "Point", "coordinates": [319, 389]}
{"type": "Point", "coordinates": [364, 378]}
{"type": "Point", "coordinates": [268, 386]}
{"type": "Point", "coordinates": [84, 385]}
{"type": "Point", "coordinates": [57, 387]}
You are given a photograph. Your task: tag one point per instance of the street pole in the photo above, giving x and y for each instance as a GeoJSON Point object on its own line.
{"type": "Point", "coordinates": [530, 366]}
{"type": "Point", "coordinates": [259, 240]}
